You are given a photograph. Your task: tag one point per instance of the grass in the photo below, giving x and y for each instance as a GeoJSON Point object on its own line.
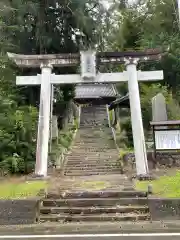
{"type": "Point", "coordinates": [165, 186]}
{"type": "Point", "coordinates": [21, 190]}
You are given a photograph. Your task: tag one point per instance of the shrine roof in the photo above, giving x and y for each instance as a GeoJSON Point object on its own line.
{"type": "Point", "coordinates": [120, 102]}
{"type": "Point", "coordinates": [95, 91]}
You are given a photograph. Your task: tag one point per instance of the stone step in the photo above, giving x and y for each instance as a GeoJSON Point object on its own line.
{"type": "Point", "coordinates": [90, 131]}
{"type": "Point", "coordinates": [94, 210]}
{"type": "Point", "coordinates": [100, 155]}
{"type": "Point", "coordinates": [93, 153]}
{"type": "Point", "coordinates": [90, 173]}
{"type": "Point", "coordinates": [94, 145]}
{"type": "Point", "coordinates": [101, 127]}
{"type": "Point", "coordinates": [94, 117]}
{"type": "Point", "coordinates": [90, 113]}
{"type": "Point", "coordinates": [95, 130]}
{"type": "Point", "coordinates": [92, 166]}
{"type": "Point", "coordinates": [89, 165]}
{"type": "Point", "coordinates": [95, 139]}
{"type": "Point", "coordinates": [105, 153]}
{"type": "Point", "coordinates": [95, 171]}
{"type": "Point", "coordinates": [91, 134]}
{"type": "Point", "coordinates": [93, 217]}
{"type": "Point", "coordinates": [90, 126]}
{"type": "Point", "coordinates": [85, 202]}
{"type": "Point", "coordinates": [90, 118]}
{"type": "Point", "coordinates": [94, 148]}
{"type": "Point", "coordinates": [87, 158]}
{"type": "Point", "coordinates": [84, 150]}
{"type": "Point", "coordinates": [98, 140]}
{"type": "Point", "coordinates": [93, 123]}
{"type": "Point", "coordinates": [92, 159]}
{"type": "Point", "coordinates": [87, 169]}
{"type": "Point", "coordinates": [90, 110]}
{"type": "Point", "coordinates": [96, 164]}
{"type": "Point", "coordinates": [104, 194]}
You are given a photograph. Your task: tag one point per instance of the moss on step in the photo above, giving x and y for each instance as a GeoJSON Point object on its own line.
{"type": "Point", "coordinates": [94, 185]}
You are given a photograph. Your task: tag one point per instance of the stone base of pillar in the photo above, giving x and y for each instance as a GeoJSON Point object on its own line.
{"type": "Point", "coordinates": [147, 177]}
{"type": "Point", "coordinates": [36, 177]}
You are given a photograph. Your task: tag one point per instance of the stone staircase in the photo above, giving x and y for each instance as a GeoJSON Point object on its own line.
{"type": "Point", "coordinates": [94, 151]}
{"type": "Point", "coordinates": [94, 159]}
{"type": "Point", "coordinates": [96, 207]}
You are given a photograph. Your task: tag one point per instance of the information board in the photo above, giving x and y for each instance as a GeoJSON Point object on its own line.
{"type": "Point", "coordinates": [167, 140]}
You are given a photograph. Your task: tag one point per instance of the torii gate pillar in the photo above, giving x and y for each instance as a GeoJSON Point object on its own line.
{"type": "Point", "coordinates": [136, 118]}
{"type": "Point", "coordinates": [44, 117]}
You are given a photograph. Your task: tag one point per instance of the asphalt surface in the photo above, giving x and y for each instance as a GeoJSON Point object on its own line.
{"type": "Point", "coordinates": [120, 237]}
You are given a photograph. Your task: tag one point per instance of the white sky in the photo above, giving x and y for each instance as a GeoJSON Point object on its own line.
{"type": "Point", "coordinates": [108, 2]}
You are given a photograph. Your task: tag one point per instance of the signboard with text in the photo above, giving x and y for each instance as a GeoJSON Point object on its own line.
{"type": "Point", "coordinates": [88, 65]}
{"type": "Point", "coordinates": [167, 140]}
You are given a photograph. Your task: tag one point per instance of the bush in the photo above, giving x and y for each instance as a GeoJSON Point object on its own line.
{"type": "Point", "coordinates": [64, 142]}
{"type": "Point", "coordinates": [127, 128]}
{"type": "Point", "coordinates": [147, 93]}
{"type": "Point", "coordinates": [18, 128]}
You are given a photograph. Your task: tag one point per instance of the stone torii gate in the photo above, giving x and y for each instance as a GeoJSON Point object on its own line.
{"type": "Point", "coordinates": [88, 75]}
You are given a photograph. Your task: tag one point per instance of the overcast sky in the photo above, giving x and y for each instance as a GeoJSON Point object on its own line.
{"type": "Point", "coordinates": [108, 2]}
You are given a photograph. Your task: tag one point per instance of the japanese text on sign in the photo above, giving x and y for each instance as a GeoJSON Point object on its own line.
{"type": "Point", "coordinates": [167, 139]}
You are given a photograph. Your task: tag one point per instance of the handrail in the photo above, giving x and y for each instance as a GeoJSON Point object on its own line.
{"type": "Point", "coordinates": [112, 128]}
{"type": "Point", "coordinates": [114, 137]}
{"type": "Point", "coordinates": [107, 110]}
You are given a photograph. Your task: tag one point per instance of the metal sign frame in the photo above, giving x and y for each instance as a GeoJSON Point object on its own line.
{"type": "Point", "coordinates": [159, 127]}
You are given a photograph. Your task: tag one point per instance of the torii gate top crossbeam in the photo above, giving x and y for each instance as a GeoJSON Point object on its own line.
{"type": "Point", "coordinates": [62, 60]}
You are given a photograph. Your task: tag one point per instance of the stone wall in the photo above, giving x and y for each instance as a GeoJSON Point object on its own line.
{"type": "Point", "coordinates": [164, 209]}
{"type": "Point", "coordinates": [169, 159]}
{"type": "Point", "coordinates": [19, 211]}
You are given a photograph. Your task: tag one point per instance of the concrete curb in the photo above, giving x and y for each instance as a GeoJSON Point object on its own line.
{"type": "Point", "coordinates": [82, 228]}
{"type": "Point", "coordinates": [164, 209]}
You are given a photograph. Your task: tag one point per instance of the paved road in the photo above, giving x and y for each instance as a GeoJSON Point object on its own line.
{"type": "Point", "coordinates": [98, 237]}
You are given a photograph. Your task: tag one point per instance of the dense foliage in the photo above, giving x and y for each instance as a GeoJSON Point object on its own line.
{"type": "Point", "coordinates": [37, 27]}
{"type": "Point", "coordinates": [149, 24]}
